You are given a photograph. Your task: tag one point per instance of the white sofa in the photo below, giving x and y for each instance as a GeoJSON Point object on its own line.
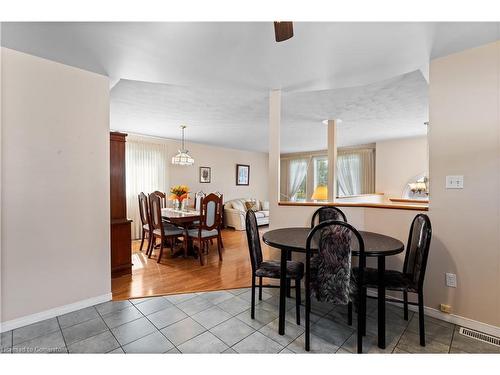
{"type": "Point", "coordinates": [235, 211]}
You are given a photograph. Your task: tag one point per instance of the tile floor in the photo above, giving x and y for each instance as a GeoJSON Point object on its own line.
{"type": "Point", "coordinates": [219, 322]}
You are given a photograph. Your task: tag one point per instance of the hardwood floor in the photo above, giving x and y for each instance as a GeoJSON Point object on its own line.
{"type": "Point", "coordinates": [179, 275]}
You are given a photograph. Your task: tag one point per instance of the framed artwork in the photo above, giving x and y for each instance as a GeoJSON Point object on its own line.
{"type": "Point", "coordinates": [242, 174]}
{"type": "Point", "coordinates": [205, 175]}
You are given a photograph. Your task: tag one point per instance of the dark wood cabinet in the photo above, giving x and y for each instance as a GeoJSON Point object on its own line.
{"type": "Point", "coordinates": [121, 245]}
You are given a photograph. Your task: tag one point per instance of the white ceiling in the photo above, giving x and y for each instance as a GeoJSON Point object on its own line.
{"type": "Point", "coordinates": [394, 108]}
{"type": "Point", "coordinates": [215, 76]}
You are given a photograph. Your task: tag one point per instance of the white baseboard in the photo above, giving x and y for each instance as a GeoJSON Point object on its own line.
{"type": "Point", "coordinates": [451, 318]}
{"type": "Point", "coordinates": [47, 314]}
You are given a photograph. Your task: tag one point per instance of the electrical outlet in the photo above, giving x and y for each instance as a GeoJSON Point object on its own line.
{"type": "Point", "coordinates": [454, 182]}
{"type": "Point", "coordinates": [445, 308]}
{"type": "Point", "coordinates": [451, 280]}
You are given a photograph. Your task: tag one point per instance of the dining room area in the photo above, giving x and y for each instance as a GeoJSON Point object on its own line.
{"type": "Point", "coordinates": [356, 215]}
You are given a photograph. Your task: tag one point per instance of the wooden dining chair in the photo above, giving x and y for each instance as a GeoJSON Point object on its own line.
{"type": "Point", "coordinates": [327, 213]}
{"type": "Point", "coordinates": [328, 272]}
{"type": "Point", "coordinates": [161, 230]}
{"type": "Point", "coordinates": [145, 221]}
{"type": "Point", "coordinates": [411, 279]}
{"type": "Point", "coordinates": [270, 268]}
{"type": "Point", "coordinates": [163, 198]}
{"type": "Point", "coordinates": [209, 227]}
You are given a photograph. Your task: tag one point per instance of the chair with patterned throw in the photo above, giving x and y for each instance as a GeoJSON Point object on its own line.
{"type": "Point", "coordinates": [327, 213]}
{"type": "Point", "coordinates": [328, 271]}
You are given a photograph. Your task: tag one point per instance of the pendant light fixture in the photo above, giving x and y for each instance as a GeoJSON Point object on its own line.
{"type": "Point", "coordinates": [183, 157]}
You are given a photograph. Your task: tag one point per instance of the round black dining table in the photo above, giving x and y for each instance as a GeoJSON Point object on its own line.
{"type": "Point", "coordinates": [377, 245]}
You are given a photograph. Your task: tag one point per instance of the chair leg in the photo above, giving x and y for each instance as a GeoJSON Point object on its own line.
{"type": "Point", "coordinates": [349, 313]}
{"type": "Point", "coordinates": [153, 242]}
{"type": "Point", "coordinates": [220, 238]}
{"type": "Point", "coordinates": [297, 300]}
{"type": "Point", "coordinates": [172, 243]}
{"type": "Point", "coordinates": [421, 318]}
{"type": "Point", "coordinates": [405, 304]}
{"type": "Point", "coordinates": [148, 250]}
{"type": "Point", "coordinates": [308, 319]}
{"type": "Point", "coordinates": [363, 306]}
{"type": "Point", "coordinates": [161, 248]}
{"type": "Point", "coordinates": [260, 288]}
{"type": "Point", "coordinates": [252, 313]}
{"type": "Point", "coordinates": [142, 239]}
{"type": "Point", "coordinates": [361, 318]}
{"type": "Point", "coordinates": [219, 247]}
{"type": "Point", "coordinates": [200, 251]}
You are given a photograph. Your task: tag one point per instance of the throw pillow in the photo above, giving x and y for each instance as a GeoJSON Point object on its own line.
{"type": "Point", "coordinates": [238, 205]}
{"type": "Point", "coordinates": [252, 205]}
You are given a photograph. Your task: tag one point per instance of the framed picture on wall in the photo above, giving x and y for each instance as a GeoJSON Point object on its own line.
{"type": "Point", "coordinates": [242, 174]}
{"type": "Point", "coordinates": [205, 175]}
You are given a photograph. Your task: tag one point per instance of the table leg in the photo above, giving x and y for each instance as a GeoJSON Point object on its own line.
{"type": "Point", "coordinates": [283, 288]}
{"type": "Point", "coordinates": [381, 302]}
{"type": "Point", "coordinates": [288, 280]}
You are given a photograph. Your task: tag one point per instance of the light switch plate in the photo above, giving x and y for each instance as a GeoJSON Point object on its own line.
{"type": "Point", "coordinates": [454, 182]}
{"type": "Point", "coordinates": [451, 280]}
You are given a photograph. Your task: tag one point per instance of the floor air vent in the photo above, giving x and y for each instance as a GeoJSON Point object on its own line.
{"type": "Point", "coordinates": [480, 336]}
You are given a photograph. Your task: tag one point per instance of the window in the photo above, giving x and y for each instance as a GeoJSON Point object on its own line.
{"type": "Point", "coordinates": [297, 182]}
{"type": "Point", "coordinates": [320, 171]}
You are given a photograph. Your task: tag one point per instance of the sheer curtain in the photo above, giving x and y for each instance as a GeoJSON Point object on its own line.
{"type": "Point", "coordinates": [297, 174]}
{"type": "Point", "coordinates": [146, 171]}
{"type": "Point", "coordinates": [356, 172]}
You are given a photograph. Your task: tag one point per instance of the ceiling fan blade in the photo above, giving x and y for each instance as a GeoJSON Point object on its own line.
{"type": "Point", "coordinates": [283, 30]}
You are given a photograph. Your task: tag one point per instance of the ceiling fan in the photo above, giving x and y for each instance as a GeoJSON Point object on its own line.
{"type": "Point", "coordinates": [283, 30]}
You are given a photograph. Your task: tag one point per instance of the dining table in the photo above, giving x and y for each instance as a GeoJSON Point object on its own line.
{"type": "Point", "coordinates": [184, 219]}
{"type": "Point", "coordinates": [379, 246]}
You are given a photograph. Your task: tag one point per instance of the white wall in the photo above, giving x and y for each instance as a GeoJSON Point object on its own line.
{"type": "Point", "coordinates": [55, 187]}
{"type": "Point", "coordinates": [397, 161]}
{"type": "Point", "coordinates": [464, 139]}
{"type": "Point", "coordinates": [223, 162]}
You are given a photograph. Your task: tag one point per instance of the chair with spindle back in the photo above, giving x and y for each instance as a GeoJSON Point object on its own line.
{"type": "Point", "coordinates": [145, 221]}
{"type": "Point", "coordinates": [161, 230]}
{"type": "Point", "coordinates": [209, 227]}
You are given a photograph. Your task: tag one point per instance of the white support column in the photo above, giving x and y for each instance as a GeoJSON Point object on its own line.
{"type": "Point", "coordinates": [274, 150]}
{"type": "Point", "coordinates": [332, 160]}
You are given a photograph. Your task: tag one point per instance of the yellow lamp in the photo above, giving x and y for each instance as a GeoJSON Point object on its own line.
{"type": "Point", "coordinates": [320, 193]}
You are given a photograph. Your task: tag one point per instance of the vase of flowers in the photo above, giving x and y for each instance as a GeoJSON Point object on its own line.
{"type": "Point", "coordinates": [178, 194]}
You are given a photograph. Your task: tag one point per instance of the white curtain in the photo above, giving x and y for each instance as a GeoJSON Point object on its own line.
{"type": "Point", "coordinates": [146, 171]}
{"type": "Point", "coordinates": [356, 172]}
{"type": "Point", "coordinates": [297, 174]}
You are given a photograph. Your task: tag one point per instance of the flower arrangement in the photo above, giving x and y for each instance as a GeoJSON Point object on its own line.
{"type": "Point", "coordinates": [179, 192]}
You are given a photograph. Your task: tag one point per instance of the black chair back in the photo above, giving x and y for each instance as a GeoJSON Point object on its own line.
{"type": "Point", "coordinates": [327, 213]}
{"type": "Point", "coordinates": [331, 264]}
{"type": "Point", "coordinates": [253, 240]}
{"type": "Point", "coordinates": [144, 208]}
{"type": "Point", "coordinates": [417, 249]}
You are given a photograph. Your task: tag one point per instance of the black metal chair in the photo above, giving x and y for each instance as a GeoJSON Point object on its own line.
{"type": "Point", "coordinates": [329, 274]}
{"type": "Point", "coordinates": [270, 269]}
{"type": "Point", "coordinates": [411, 279]}
{"type": "Point", "coordinates": [327, 213]}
